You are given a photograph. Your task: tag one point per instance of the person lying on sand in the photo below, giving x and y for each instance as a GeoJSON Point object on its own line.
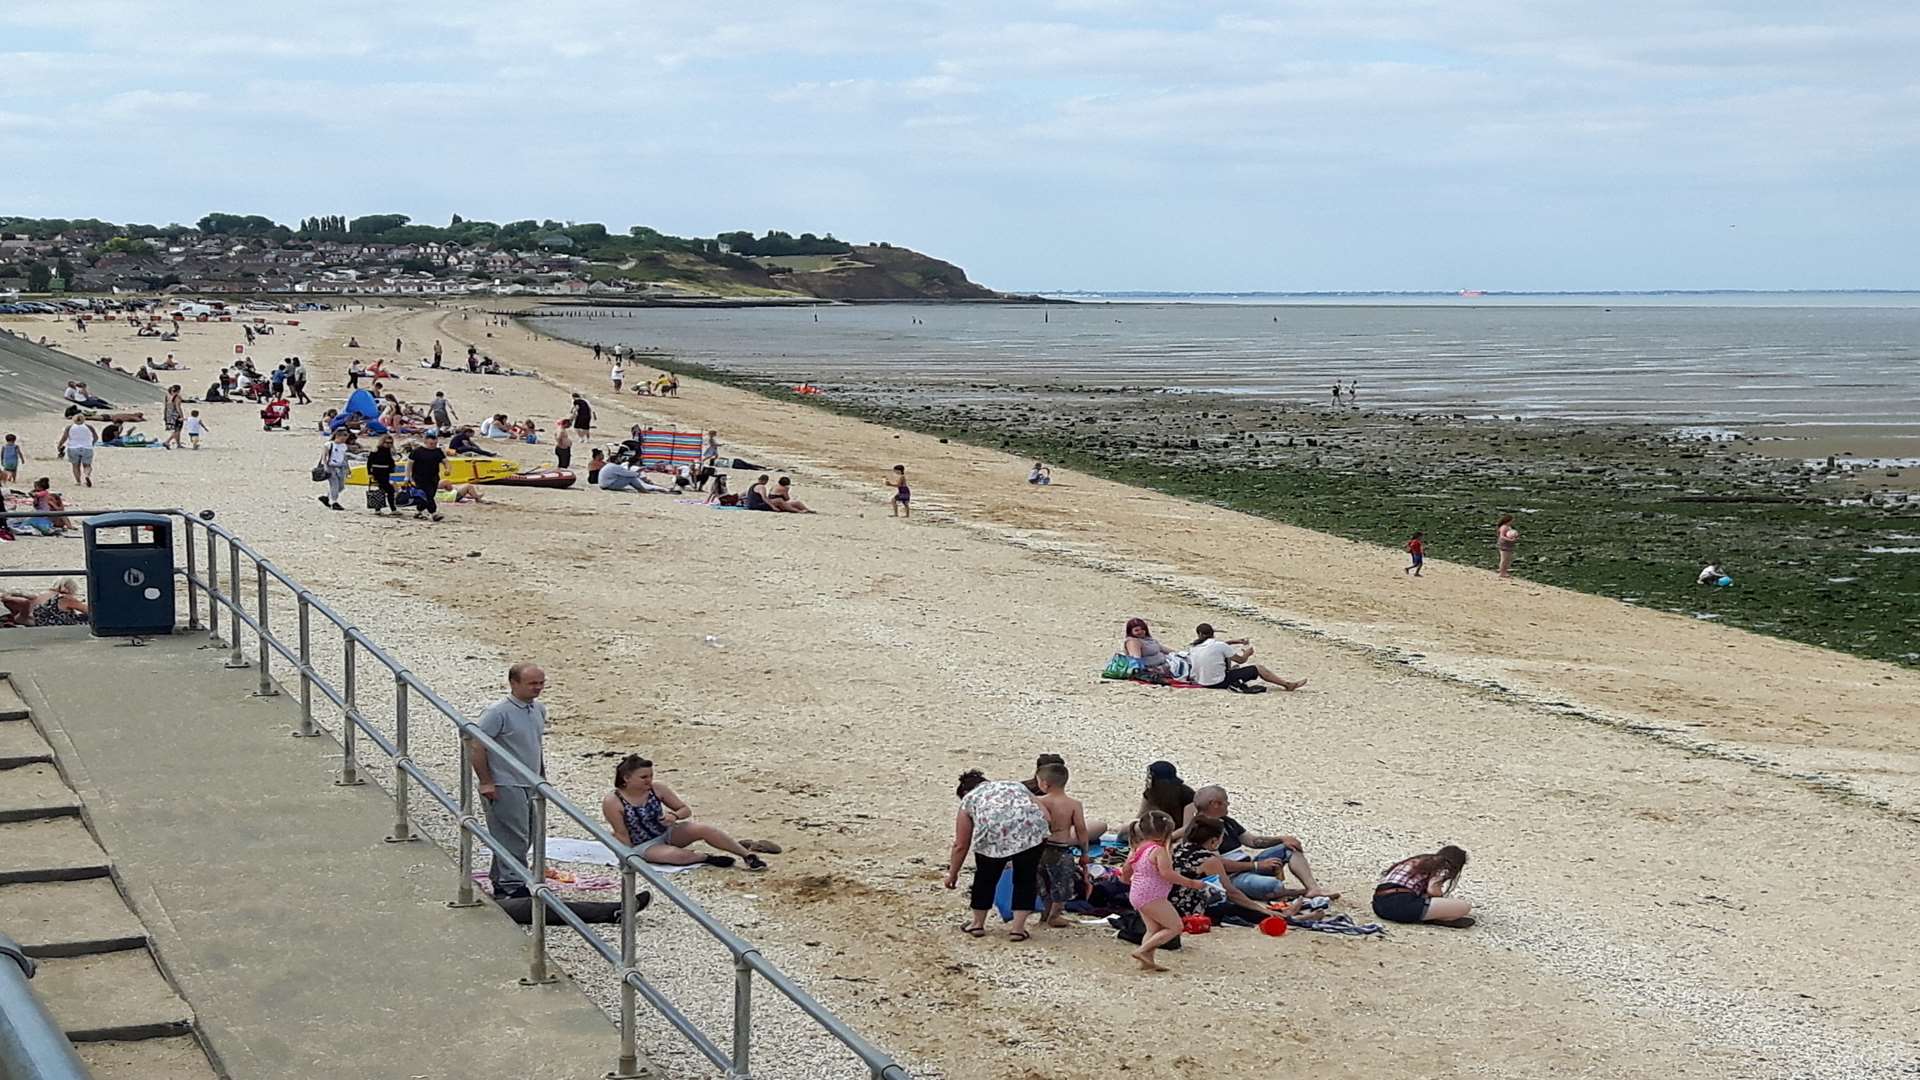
{"type": "Point", "coordinates": [659, 825]}
{"type": "Point", "coordinates": [1419, 890]}
{"type": "Point", "coordinates": [1217, 664]}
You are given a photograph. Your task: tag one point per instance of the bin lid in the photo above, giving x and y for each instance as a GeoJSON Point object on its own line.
{"type": "Point", "coordinates": [128, 519]}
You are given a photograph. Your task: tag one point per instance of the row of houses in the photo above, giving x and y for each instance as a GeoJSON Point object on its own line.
{"type": "Point", "coordinates": [226, 264]}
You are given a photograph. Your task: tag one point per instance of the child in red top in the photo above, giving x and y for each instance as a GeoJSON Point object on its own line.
{"type": "Point", "coordinates": [1416, 547]}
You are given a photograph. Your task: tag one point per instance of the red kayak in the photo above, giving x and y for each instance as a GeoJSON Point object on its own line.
{"type": "Point", "coordinates": [540, 478]}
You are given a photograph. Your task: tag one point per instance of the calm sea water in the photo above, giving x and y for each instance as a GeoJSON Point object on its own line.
{"type": "Point", "coordinates": [1847, 361]}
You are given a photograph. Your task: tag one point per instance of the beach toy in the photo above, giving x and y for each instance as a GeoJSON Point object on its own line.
{"type": "Point", "coordinates": [1196, 924]}
{"type": "Point", "coordinates": [1273, 926]}
{"type": "Point", "coordinates": [1724, 582]}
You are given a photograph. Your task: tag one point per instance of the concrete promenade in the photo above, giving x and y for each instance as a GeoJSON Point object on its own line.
{"type": "Point", "coordinates": [305, 945]}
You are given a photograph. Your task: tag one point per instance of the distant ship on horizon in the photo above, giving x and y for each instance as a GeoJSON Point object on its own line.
{"type": "Point", "coordinates": [1473, 294]}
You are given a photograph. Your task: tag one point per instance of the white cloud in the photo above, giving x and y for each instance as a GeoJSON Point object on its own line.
{"type": "Point", "coordinates": [1366, 107]}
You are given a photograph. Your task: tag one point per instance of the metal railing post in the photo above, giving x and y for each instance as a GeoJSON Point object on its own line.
{"type": "Point", "coordinates": [463, 892]}
{"type": "Point", "coordinates": [234, 659]}
{"type": "Point", "coordinates": [629, 1064]}
{"type": "Point", "coordinates": [402, 828]}
{"type": "Point", "coordinates": [213, 590]}
{"type": "Point", "coordinates": [537, 863]}
{"type": "Point", "coordinates": [193, 590]}
{"type": "Point", "coordinates": [306, 730]}
{"type": "Point", "coordinates": [349, 731]}
{"type": "Point", "coordinates": [742, 1015]}
{"type": "Point", "coordinates": [267, 688]}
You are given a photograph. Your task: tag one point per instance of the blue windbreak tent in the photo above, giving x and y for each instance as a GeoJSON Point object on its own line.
{"type": "Point", "coordinates": [361, 403]}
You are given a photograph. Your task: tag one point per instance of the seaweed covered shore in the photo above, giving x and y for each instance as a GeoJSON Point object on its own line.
{"type": "Point", "coordinates": [1625, 511]}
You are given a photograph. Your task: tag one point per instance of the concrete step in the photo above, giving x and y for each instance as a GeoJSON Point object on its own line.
{"type": "Point", "coordinates": [21, 744]}
{"type": "Point", "coordinates": [176, 1058]}
{"type": "Point", "coordinates": [111, 996]}
{"type": "Point", "coordinates": [56, 849]}
{"type": "Point", "coordinates": [12, 706]}
{"type": "Point", "coordinates": [69, 918]}
{"type": "Point", "coordinates": [31, 792]}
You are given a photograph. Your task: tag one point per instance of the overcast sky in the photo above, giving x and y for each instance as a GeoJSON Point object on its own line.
{"type": "Point", "coordinates": [1316, 144]}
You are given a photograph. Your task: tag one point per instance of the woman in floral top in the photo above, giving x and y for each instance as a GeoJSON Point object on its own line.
{"type": "Point", "coordinates": [1002, 825]}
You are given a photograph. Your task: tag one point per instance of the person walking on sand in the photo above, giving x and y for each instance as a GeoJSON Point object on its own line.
{"type": "Point", "coordinates": [333, 462]}
{"type": "Point", "coordinates": [11, 455]}
{"type": "Point", "coordinates": [77, 444]}
{"type": "Point", "coordinates": [618, 374]}
{"type": "Point", "coordinates": [441, 411]}
{"type": "Point", "coordinates": [196, 427]}
{"type": "Point", "coordinates": [582, 417]}
{"type": "Point", "coordinates": [423, 473]}
{"type": "Point", "coordinates": [1003, 826]}
{"type": "Point", "coordinates": [902, 494]}
{"type": "Point", "coordinates": [563, 444]}
{"type": "Point", "coordinates": [436, 352]}
{"type": "Point", "coordinates": [1150, 876]}
{"type": "Point", "coordinates": [1336, 392]}
{"type": "Point", "coordinates": [380, 466]}
{"type": "Point", "coordinates": [173, 417]}
{"type": "Point", "coordinates": [518, 724]}
{"type": "Point", "coordinates": [1417, 550]}
{"type": "Point", "coordinates": [1506, 539]}
{"type": "Point", "coordinates": [297, 381]}
{"type": "Point", "coordinates": [1418, 890]}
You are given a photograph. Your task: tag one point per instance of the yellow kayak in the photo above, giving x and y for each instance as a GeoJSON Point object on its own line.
{"type": "Point", "coordinates": [457, 470]}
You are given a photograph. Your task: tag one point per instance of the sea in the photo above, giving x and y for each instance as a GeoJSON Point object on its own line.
{"type": "Point", "coordinates": [1719, 362]}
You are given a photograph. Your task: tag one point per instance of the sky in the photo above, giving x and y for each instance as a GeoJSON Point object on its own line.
{"type": "Point", "coordinates": [1044, 144]}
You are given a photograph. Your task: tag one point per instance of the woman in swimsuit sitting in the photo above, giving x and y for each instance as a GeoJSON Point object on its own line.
{"type": "Point", "coordinates": [659, 825]}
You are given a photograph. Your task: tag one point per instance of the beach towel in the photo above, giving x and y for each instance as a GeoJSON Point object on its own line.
{"type": "Point", "coordinates": [1338, 924]}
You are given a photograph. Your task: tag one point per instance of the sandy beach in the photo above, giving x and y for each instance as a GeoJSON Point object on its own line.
{"type": "Point", "coordinates": [1690, 843]}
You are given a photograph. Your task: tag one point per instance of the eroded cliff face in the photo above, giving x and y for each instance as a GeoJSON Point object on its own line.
{"type": "Point", "coordinates": [887, 273]}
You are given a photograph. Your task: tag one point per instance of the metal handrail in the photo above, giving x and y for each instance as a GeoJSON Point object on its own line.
{"type": "Point", "coordinates": [32, 1046]}
{"type": "Point", "coordinates": [409, 774]}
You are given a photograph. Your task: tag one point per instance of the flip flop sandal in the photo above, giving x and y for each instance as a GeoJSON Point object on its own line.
{"type": "Point", "coordinates": [722, 861]}
{"type": "Point", "coordinates": [1460, 923]}
{"type": "Point", "coordinates": [755, 862]}
{"type": "Point", "coordinates": [973, 931]}
{"type": "Point", "coordinates": [1018, 935]}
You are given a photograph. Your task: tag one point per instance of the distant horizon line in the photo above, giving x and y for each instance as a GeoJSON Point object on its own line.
{"type": "Point", "coordinates": [1467, 292]}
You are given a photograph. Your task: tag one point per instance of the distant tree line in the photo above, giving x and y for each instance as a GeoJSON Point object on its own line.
{"type": "Point", "coordinates": [779, 243]}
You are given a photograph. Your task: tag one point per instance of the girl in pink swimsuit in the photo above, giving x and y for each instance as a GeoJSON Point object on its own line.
{"type": "Point", "coordinates": [1150, 877]}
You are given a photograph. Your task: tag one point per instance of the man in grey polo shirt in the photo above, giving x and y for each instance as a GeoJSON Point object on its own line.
{"type": "Point", "coordinates": [517, 722]}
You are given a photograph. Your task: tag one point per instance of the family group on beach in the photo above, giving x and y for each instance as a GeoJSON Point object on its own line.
{"type": "Point", "coordinates": [1183, 865]}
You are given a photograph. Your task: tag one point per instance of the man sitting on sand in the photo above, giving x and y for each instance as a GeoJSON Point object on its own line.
{"type": "Point", "coordinates": [616, 477]}
{"type": "Point", "coordinates": [1263, 877]}
{"type": "Point", "coordinates": [1217, 664]}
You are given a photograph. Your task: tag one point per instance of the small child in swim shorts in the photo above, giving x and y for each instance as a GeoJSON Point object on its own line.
{"type": "Point", "coordinates": [902, 494]}
{"type": "Point", "coordinates": [1416, 547]}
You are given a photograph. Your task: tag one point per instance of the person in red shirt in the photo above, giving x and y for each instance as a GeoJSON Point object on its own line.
{"type": "Point", "coordinates": [1416, 547]}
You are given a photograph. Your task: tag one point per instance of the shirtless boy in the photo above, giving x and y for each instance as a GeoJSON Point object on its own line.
{"type": "Point", "coordinates": [1060, 872]}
